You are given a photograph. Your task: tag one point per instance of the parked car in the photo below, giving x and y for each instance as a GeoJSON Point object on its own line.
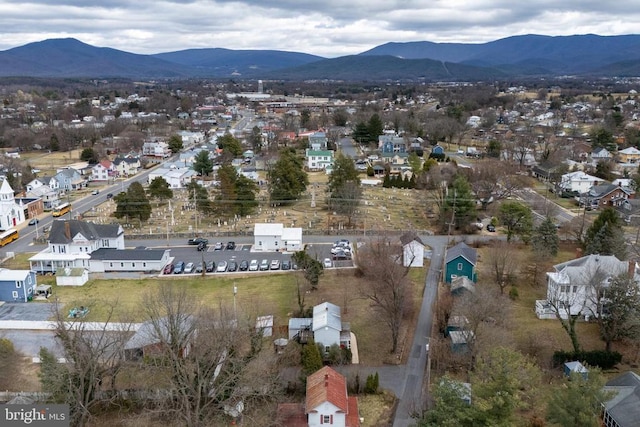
{"type": "Point", "coordinates": [202, 246]}
{"type": "Point", "coordinates": [188, 269]}
{"type": "Point", "coordinates": [178, 268]}
{"type": "Point", "coordinates": [231, 246]}
{"type": "Point", "coordinates": [197, 241]}
{"type": "Point", "coordinates": [94, 192]}
{"type": "Point", "coordinates": [211, 267]}
{"type": "Point", "coordinates": [275, 264]}
{"type": "Point", "coordinates": [491, 228]}
{"type": "Point", "coordinates": [34, 221]}
{"type": "Point", "coordinates": [109, 195]}
{"type": "Point", "coordinates": [286, 264]}
{"type": "Point", "coordinates": [218, 247]}
{"type": "Point", "coordinates": [253, 265]}
{"type": "Point", "coordinates": [233, 266]}
{"type": "Point", "coordinates": [168, 269]}
{"type": "Point", "coordinates": [244, 265]}
{"type": "Point", "coordinates": [199, 268]}
{"type": "Point", "coordinates": [264, 265]}
{"type": "Point", "coordinates": [222, 267]}
{"type": "Point", "coordinates": [341, 255]}
{"type": "Point", "coordinates": [326, 263]}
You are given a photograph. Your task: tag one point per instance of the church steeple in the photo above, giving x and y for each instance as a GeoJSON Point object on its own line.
{"type": "Point", "coordinates": [6, 192]}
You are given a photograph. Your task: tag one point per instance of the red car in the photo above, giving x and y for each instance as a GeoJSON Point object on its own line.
{"type": "Point", "coordinates": [168, 269]}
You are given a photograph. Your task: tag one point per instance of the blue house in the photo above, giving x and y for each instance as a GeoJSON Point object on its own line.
{"type": "Point", "coordinates": [461, 261]}
{"type": "Point", "coordinates": [17, 285]}
{"type": "Point", "coordinates": [437, 150]}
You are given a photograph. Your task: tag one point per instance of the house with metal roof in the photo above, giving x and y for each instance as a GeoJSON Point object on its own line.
{"type": "Point", "coordinates": [461, 260]}
{"type": "Point", "coordinates": [145, 260]}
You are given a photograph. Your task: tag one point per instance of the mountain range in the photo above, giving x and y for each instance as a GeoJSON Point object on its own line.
{"type": "Point", "coordinates": [511, 57]}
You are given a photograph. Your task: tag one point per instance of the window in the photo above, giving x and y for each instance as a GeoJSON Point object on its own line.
{"type": "Point", "coordinates": [459, 266]}
{"type": "Point", "coordinates": [575, 289]}
{"type": "Point", "coordinates": [122, 264]}
{"type": "Point", "coordinates": [326, 419]}
{"type": "Point", "coordinates": [14, 294]}
{"type": "Point", "coordinates": [105, 243]}
{"type": "Point", "coordinates": [110, 264]}
{"type": "Point", "coordinates": [18, 284]}
{"type": "Point", "coordinates": [144, 264]}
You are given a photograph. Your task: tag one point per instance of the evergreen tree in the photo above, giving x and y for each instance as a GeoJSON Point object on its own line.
{"type": "Point", "coordinates": [199, 196]}
{"type": "Point", "coordinates": [159, 189]}
{"type": "Point", "coordinates": [344, 187]}
{"type": "Point", "coordinates": [202, 163]}
{"type": "Point", "coordinates": [460, 202]}
{"type": "Point", "coordinates": [311, 358]}
{"type": "Point", "coordinates": [175, 143]}
{"type": "Point", "coordinates": [230, 145]}
{"type": "Point", "coordinates": [605, 236]}
{"type": "Point", "coordinates": [386, 182]}
{"type": "Point", "coordinates": [246, 191]}
{"type": "Point", "coordinates": [518, 220]}
{"type": "Point", "coordinates": [133, 204]}
{"type": "Point", "coordinates": [545, 239]}
{"type": "Point", "coordinates": [287, 178]}
{"type": "Point", "coordinates": [577, 402]}
{"type": "Point", "coordinates": [375, 127]}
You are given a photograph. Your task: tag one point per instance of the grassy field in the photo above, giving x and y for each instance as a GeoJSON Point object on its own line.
{"type": "Point", "coordinates": [257, 295]}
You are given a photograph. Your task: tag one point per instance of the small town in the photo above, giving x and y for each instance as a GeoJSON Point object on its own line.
{"type": "Point", "coordinates": [271, 247]}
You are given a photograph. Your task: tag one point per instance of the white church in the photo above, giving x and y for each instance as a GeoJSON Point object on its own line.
{"type": "Point", "coordinates": [11, 213]}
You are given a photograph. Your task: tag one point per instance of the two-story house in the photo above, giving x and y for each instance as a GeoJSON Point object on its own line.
{"type": "Point", "coordinates": [461, 260]}
{"type": "Point", "coordinates": [578, 182]}
{"type": "Point", "coordinates": [44, 181]}
{"type": "Point", "coordinates": [71, 243]}
{"type": "Point", "coordinates": [390, 143]}
{"type": "Point", "coordinates": [573, 285]}
{"type": "Point", "coordinates": [70, 180]}
{"type": "Point", "coordinates": [319, 160]}
{"type": "Point", "coordinates": [158, 150]}
{"type": "Point", "coordinates": [326, 326]}
{"type": "Point", "coordinates": [17, 285]}
{"type": "Point", "coordinates": [629, 155]}
{"type": "Point", "coordinates": [127, 166]}
{"type": "Point", "coordinates": [318, 141]}
{"type": "Point", "coordinates": [50, 198]}
{"type": "Point", "coordinates": [103, 171]}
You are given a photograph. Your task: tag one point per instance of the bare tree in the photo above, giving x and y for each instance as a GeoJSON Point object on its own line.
{"type": "Point", "coordinates": [485, 313]}
{"type": "Point", "coordinates": [503, 260]}
{"type": "Point", "coordinates": [493, 180]}
{"type": "Point", "coordinates": [93, 354]}
{"type": "Point", "coordinates": [386, 282]}
{"type": "Point", "coordinates": [202, 353]}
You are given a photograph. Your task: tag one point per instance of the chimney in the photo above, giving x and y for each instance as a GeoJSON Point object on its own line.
{"type": "Point", "coordinates": [326, 380]}
{"type": "Point", "coordinates": [67, 230]}
{"type": "Point", "coordinates": [578, 252]}
{"type": "Point", "coordinates": [632, 268]}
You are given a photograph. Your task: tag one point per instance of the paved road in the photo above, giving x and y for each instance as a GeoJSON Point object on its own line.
{"type": "Point", "coordinates": [412, 399]}
{"type": "Point", "coordinates": [348, 147]}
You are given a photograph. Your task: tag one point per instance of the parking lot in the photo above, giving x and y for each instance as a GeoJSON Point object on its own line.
{"type": "Point", "coordinates": [218, 253]}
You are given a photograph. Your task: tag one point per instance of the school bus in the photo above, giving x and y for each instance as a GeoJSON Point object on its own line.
{"type": "Point", "coordinates": [8, 236]}
{"type": "Point", "coordinates": [62, 209]}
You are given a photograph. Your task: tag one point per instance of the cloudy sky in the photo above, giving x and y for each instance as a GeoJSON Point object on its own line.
{"type": "Point", "coordinates": [327, 28]}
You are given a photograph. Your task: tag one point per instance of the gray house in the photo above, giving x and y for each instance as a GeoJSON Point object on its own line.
{"type": "Point", "coordinates": [623, 409]}
{"type": "Point", "coordinates": [70, 179]}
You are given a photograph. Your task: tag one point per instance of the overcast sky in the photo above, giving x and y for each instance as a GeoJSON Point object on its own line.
{"type": "Point", "coordinates": [327, 28]}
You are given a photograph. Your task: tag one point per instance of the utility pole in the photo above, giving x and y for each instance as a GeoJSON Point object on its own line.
{"type": "Point", "coordinates": [453, 215]}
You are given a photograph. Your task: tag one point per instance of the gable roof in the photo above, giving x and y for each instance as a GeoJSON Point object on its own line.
{"type": "Point", "coordinates": [581, 269]}
{"type": "Point", "coordinates": [409, 237]}
{"type": "Point", "coordinates": [61, 234]}
{"type": "Point", "coordinates": [326, 385]}
{"type": "Point", "coordinates": [69, 173]}
{"type": "Point", "coordinates": [463, 250]}
{"type": "Point", "coordinates": [624, 407]}
{"type": "Point", "coordinates": [326, 315]}
{"type": "Point", "coordinates": [604, 189]}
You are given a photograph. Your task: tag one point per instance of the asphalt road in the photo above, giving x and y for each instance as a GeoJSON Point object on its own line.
{"type": "Point", "coordinates": [348, 147]}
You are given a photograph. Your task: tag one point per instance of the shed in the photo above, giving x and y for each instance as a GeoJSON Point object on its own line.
{"type": "Point", "coordinates": [264, 325]}
{"type": "Point", "coordinates": [460, 341]}
{"type": "Point", "coordinates": [456, 323]}
{"type": "Point", "coordinates": [412, 250]}
{"type": "Point", "coordinates": [72, 276]}
{"type": "Point", "coordinates": [576, 367]}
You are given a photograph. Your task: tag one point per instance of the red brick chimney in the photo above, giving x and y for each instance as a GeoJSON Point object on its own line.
{"type": "Point", "coordinates": [632, 268]}
{"type": "Point", "coordinates": [67, 230]}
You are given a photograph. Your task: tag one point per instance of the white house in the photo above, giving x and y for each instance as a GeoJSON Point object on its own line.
{"type": "Point", "coordinates": [318, 159]}
{"type": "Point", "coordinates": [327, 401]}
{"type": "Point", "coordinates": [71, 243]}
{"type": "Point", "coordinates": [156, 149]}
{"type": "Point", "coordinates": [11, 213]}
{"type": "Point", "coordinates": [50, 198]}
{"type": "Point", "coordinates": [276, 237]}
{"type": "Point", "coordinates": [44, 181]}
{"type": "Point", "coordinates": [412, 250]}
{"type": "Point", "coordinates": [175, 177]}
{"type": "Point", "coordinates": [127, 166]}
{"type": "Point", "coordinates": [573, 285]}
{"type": "Point", "coordinates": [103, 171]}
{"type": "Point", "coordinates": [579, 182]}
{"type": "Point", "coordinates": [143, 260]}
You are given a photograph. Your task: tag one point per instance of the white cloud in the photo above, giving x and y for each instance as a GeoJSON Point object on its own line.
{"type": "Point", "coordinates": [329, 28]}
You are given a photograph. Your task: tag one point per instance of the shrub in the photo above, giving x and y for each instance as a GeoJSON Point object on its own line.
{"type": "Point", "coordinates": [599, 358]}
{"type": "Point", "coordinates": [513, 293]}
{"type": "Point", "coordinates": [372, 384]}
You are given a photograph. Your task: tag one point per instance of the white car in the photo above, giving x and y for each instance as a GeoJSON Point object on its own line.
{"type": "Point", "coordinates": [327, 263]}
{"type": "Point", "coordinates": [222, 267]}
{"type": "Point", "coordinates": [253, 265]}
{"type": "Point", "coordinates": [188, 268]}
